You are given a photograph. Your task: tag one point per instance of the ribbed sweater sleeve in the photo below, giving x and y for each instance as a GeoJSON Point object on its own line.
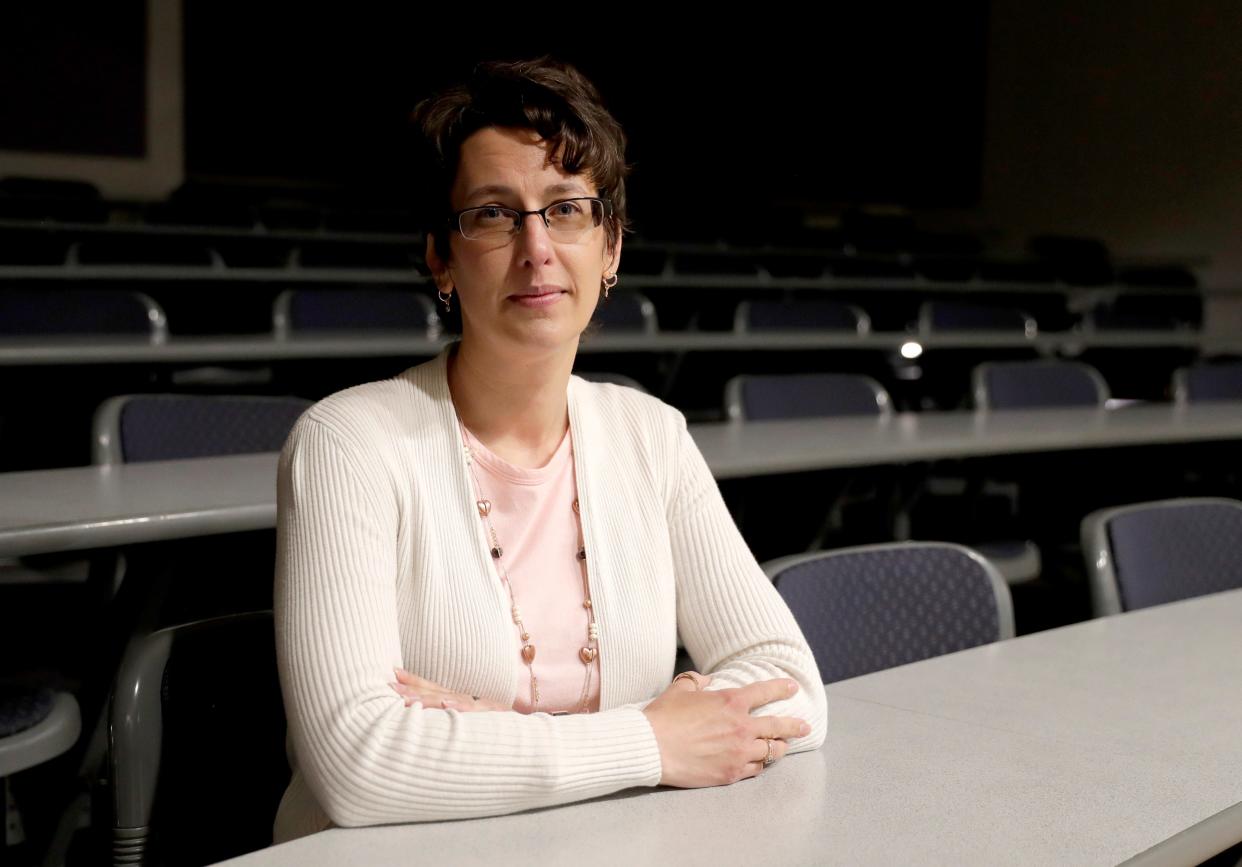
{"type": "Point", "coordinates": [733, 622]}
{"type": "Point", "coordinates": [367, 758]}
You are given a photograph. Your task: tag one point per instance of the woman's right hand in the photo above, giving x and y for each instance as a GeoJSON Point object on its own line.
{"type": "Point", "coordinates": [710, 738]}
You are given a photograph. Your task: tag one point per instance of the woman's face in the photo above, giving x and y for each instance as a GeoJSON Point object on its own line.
{"type": "Point", "coordinates": [529, 291]}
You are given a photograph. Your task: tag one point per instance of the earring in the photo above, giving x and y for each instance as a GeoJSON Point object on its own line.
{"type": "Point", "coordinates": [445, 298]}
{"type": "Point", "coordinates": [610, 280]}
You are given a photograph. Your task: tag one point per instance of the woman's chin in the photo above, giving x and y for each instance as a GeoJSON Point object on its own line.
{"type": "Point", "coordinates": [545, 334]}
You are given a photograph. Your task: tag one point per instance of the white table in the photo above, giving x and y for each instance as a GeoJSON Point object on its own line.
{"type": "Point", "coordinates": [42, 511]}
{"type": "Point", "coordinates": [735, 449]}
{"type": "Point", "coordinates": [1092, 744]}
{"type": "Point", "coordinates": [46, 351]}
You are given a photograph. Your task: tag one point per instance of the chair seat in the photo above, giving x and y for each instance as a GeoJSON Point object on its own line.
{"type": "Point", "coordinates": [22, 708]}
{"type": "Point", "coordinates": [37, 727]}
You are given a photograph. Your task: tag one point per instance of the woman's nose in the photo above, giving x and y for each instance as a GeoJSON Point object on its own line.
{"type": "Point", "coordinates": [533, 241]}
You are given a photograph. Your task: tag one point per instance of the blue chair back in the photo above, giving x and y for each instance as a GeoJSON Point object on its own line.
{"type": "Point", "coordinates": [1035, 384]}
{"type": "Point", "coordinates": [70, 312]}
{"type": "Point", "coordinates": [317, 310]}
{"type": "Point", "coordinates": [818, 315]}
{"type": "Point", "coordinates": [164, 427]}
{"type": "Point", "coordinates": [937, 316]}
{"type": "Point", "coordinates": [1208, 382]}
{"type": "Point", "coordinates": [804, 395]}
{"type": "Point", "coordinates": [879, 606]}
{"type": "Point", "coordinates": [626, 311]}
{"type": "Point", "coordinates": [1151, 553]}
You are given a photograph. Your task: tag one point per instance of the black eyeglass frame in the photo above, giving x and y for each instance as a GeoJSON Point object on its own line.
{"type": "Point", "coordinates": [453, 220]}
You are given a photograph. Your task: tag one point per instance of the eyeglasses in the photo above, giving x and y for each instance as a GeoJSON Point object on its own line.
{"type": "Point", "coordinates": [565, 219]}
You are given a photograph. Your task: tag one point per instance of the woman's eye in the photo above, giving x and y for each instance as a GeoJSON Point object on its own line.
{"type": "Point", "coordinates": [566, 209]}
{"type": "Point", "coordinates": [491, 214]}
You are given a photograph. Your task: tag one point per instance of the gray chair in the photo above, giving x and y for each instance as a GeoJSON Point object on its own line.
{"type": "Point", "coordinates": [36, 726]}
{"type": "Point", "coordinates": [197, 743]}
{"type": "Point", "coordinates": [161, 427]}
{"type": "Point", "coordinates": [936, 317]}
{"type": "Point", "coordinates": [1151, 553]}
{"type": "Point", "coordinates": [1211, 381]}
{"type": "Point", "coordinates": [879, 606]}
{"type": "Point", "coordinates": [614, 378]}
{"type": "Point", "coordinates": [1171, 311]}
{"type": "Point", "coordinates": [81, 312]}
{"type": "Point", "coordinates": [626, 311]}
{"type": "Point", "coordinates": [321, 310]}
{"type": "Point", "coordinates": [804, 395]}
{"type": "Point", "coordinates": [72, 313]}
{"type": "Point", "coordinates": [818, 315]}
{"type": "Point", "coordinates": [1037, 384]}
{"type": "Point", "coordinates": [812, 395]}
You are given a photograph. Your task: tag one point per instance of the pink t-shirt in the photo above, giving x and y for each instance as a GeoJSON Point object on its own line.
{"type": "Point", "coordinates": [532, 512]}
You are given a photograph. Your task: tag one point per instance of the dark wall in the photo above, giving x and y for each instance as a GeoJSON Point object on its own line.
{"type": "Point", "coordinates": [847, 106]}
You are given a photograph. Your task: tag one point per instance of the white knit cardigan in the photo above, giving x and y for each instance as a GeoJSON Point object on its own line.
{"type": "Point", "coordinates": [382, 561]}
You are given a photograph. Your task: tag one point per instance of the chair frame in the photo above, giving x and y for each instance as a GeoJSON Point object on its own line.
{"type": "Point", "coordinates": [135, 733]}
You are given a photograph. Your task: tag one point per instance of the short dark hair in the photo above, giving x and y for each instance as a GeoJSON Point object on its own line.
{"type": "Point", "coordinates": [546, 96]}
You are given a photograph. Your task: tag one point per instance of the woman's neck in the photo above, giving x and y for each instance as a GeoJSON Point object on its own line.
{"type": "Point", "coordinates": [517, 407]}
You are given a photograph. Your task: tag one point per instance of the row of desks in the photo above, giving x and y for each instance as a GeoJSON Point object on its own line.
{"type": "Point", "coordinates": [1104, 741]}
{"type": "Point", "coordinates": [41, 351]}
{"type": "Point", "coordinates": [86, 507]}
{"type": "Point", "coordinates": [1110, 741]}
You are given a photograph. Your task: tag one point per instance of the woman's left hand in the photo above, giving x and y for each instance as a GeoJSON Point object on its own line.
{"type": "Point", "coordinates": [413, 688]}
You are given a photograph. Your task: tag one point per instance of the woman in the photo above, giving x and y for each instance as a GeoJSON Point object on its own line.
{"type": "Point", "coordinates": [520, 546]}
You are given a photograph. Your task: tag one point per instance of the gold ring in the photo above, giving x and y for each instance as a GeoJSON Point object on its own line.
{"type": "Point", "coordinates": [688, 675]}
{"type": "Point", "coordinates": [767, 760]}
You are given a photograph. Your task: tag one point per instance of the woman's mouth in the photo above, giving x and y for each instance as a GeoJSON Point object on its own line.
{"type": "Point", "coordinates": [539, 296]}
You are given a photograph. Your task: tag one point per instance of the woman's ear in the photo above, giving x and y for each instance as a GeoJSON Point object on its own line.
{"type": "Point", "coordinates": [612, 256]}
{"type": "Point", "coordinates": [438, 267]}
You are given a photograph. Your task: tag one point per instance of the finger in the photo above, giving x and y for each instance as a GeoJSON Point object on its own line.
{"type": "Point", "coordinates": [405, 691]}
{"type": "Point", "coordinates": [752, 769]}
{"type": "Point", "coordinates": [760, 753]}
{"type": "Point", "coordinates": [786, 727]}
{"type": "Point", "coordinates": [766, 691]}
{"type": "Point", "coordinates": [779, 749]}
{"type": "Point", "coordinates": [432, 696]}
{"type": "Point", "coordinates": [405, 677]}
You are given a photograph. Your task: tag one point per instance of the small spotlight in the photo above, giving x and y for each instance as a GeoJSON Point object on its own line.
{"type": "Point", "coordinates": [911, 350]}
